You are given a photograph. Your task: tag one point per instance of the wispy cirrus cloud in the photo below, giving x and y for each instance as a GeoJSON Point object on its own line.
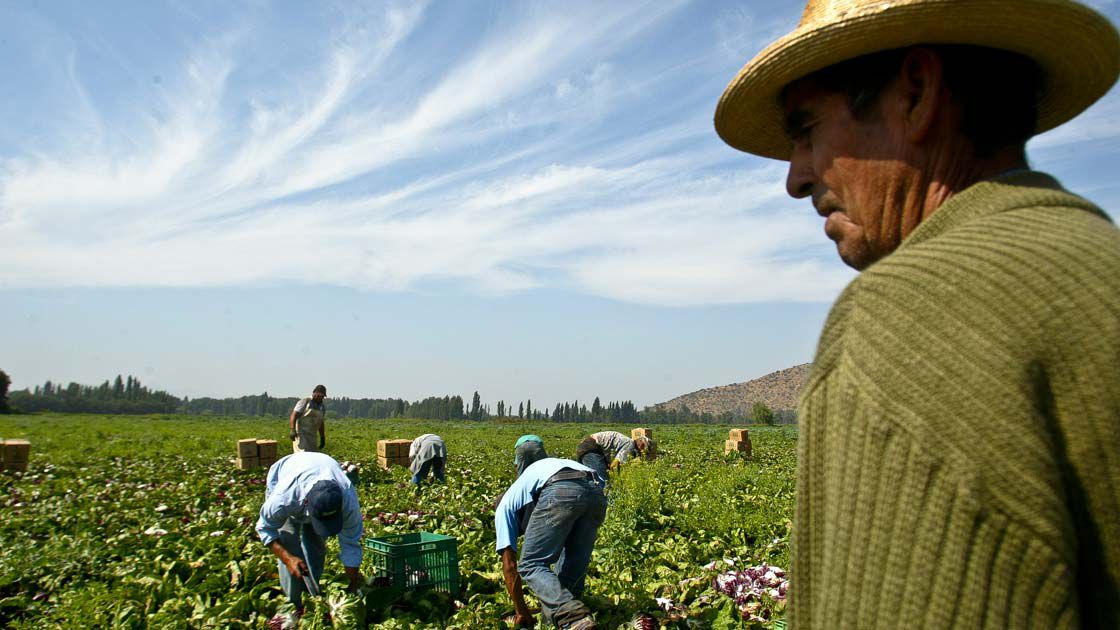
{"type": "Point", "coordinates": [533, 146]}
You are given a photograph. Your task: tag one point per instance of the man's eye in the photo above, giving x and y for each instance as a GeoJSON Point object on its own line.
{"type": "Point", "coordinates": [802, 133]}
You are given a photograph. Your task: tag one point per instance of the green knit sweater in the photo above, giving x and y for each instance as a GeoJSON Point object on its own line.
{"type": "Point", "coordinates": [959, 458]}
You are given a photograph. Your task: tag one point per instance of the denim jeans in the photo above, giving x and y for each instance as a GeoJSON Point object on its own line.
{"type": "Point", "coordinates": [435, 465]}
{"type": "Point", "coordinates": [562, 531]}
{"type": "Point", "coordinates": [301, 541]}
{"type": "Point", "coordinates": [596, 462]}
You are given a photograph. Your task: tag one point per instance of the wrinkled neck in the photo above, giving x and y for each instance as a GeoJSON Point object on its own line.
{"type": "Point", "coordinates": [949, 168]}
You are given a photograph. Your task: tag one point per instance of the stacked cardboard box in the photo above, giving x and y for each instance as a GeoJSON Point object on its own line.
{"type": "Point", "coordinates": [266, 452]}
{"type": "Point", "coordinates": [739, 441]}
{"type": "Point", "coordinates": [14, 455]}
{"type": "Point", "coordinates": [248, 457]}
{"type": "Point", "coordinates": [393, 453]}
{"type": "Point", "coordinates": [651, 450]}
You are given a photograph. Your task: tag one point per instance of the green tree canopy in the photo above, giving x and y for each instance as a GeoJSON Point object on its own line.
{"type": "Point", "coordinates": [762, 414]}
{"type": "Point", "coordinates": [5, 382]}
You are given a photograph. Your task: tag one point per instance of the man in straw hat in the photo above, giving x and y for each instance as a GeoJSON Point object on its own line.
{"type": "Point", "coordinates": [958, 462]}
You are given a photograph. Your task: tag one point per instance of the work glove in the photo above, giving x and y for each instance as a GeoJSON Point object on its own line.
{"type": "Point", "coordinates": [293, 435]}
{"type": "Point", "coordinates": [322, 442]}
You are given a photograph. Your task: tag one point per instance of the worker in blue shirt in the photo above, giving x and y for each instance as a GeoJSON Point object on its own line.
{"type": "Point", "coordinates": [570, 507]}
{"type": "Point", "coordinates": [309, 498]}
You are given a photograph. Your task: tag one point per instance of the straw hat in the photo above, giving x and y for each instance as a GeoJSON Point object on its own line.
{"type": "Point", "coordinates": [1077, 48]}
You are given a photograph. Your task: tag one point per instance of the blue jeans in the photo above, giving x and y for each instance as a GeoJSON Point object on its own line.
{"type": "Point", "coordinates": [301, 541]}
{"type": "Point", "coordinates": [596, 462]}
{"type": "Point", "coordinates": [562, 531]}
{"type": "Point", "coordinates": [435, 465]}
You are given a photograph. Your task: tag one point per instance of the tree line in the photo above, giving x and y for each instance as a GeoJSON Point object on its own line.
{"type": "Point", "coordinates": [127, 395]}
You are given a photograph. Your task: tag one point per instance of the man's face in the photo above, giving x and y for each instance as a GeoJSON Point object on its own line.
{"type": "Point", "coordinates": [851, 170]}
{"type": "Point", "coordinates": [318, 397]}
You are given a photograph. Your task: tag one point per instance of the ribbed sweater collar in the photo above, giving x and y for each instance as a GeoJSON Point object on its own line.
{"type": "Point", "coordinates": [1017, 189]}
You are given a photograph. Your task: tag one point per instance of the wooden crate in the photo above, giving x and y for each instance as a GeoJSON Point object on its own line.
{"type": "Point", "coordinates": [248, 463]}
{"type": "Point", "coordinates": [637, 433]}
{"type": "Point", "coordinates": [393, 448]}
{"type": "Point", "coordinates": [266, 449]}
{"type": "Point", "coordinates": [388, 462]}
{"type": "Point", "coordinates": [738, 435]}
{"type": "Point", "coordinates": [14, 455]}
{"type": "Point", "coordinates": [247, 448]}
{"type": "Point", "coordinates": [742, 446]}
{"type": "Point", "coordinates": [267, 462]}
{"type": "Point", "coordinates": [16, 451]}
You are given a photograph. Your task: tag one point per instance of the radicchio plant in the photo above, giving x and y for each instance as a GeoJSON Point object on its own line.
{"type": "Point", "coordinates": [749, 586]}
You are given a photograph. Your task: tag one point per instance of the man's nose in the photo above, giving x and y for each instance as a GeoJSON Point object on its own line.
{"type": "Point", "coordinates": [799, 181]}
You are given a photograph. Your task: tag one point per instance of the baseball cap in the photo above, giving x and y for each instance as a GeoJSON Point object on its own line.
{"type": "Point", "coordinates": [528, 438]}
{"type": "Point", "coordinates": [324, 503]}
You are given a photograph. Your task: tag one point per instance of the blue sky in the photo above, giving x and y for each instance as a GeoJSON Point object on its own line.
{"type": "Point", "coordinates": [408, 199]}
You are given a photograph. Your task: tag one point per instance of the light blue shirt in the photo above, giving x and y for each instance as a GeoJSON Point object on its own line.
{"type": "Point", "coordinates": [524, 491]}
{"type": "Point", "coordinates": [289, 481]}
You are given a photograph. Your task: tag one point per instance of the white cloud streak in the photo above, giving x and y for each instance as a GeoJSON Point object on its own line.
{"type": "Point", "coordinates": [533, 154]}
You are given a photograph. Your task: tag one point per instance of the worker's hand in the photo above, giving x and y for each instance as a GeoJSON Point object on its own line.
{"type": "Point", "coordinates": [296, 566]}
{"type": "Point", "coordinates": [293, 435]}
{"type": "Point", "coordinates": [616, 465]}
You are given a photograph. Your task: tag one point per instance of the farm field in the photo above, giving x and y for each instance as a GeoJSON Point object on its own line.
{"type": "Point", "coordinates": [143, 522]}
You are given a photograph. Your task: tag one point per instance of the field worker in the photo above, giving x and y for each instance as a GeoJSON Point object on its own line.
{"type": "Point", "coordinates": [528, 449]}
{"type": "Point", "coordinates": [308, 499]}
{"type": "Point", "coordinates": [427, 453]}
{"type": "Point", "coordinates": [617, 449]}
{"type": "Point", "coordinates": [958, 461]}
{"type": "Point", "coordinates": [308, 422]}
{"type": "Point", "coordinates": [570, 507]}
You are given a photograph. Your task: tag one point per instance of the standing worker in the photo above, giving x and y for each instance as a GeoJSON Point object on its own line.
{"type": "Point", "coordinates": [570, 507]}
{"type": "Point", "coordinates": [308, 499]}
{"type": "Point", "coordinates": [958, 462]}
{"type": "Point", "coordinates": [427, 453]}
{"type": "Point", "coordinates": [308, 419]}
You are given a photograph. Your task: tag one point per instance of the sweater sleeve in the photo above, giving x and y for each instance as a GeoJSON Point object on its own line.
{"type": "Point", "coordinates": [1081, 389]}
{"type": "Point", "coordinates": [892, 533]}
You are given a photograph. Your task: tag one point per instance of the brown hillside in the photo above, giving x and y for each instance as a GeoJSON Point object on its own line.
{"type": "Point", "coordinates": [779, 390]}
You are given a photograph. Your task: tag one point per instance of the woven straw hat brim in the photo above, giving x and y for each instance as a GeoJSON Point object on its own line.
{"type": "Point", "coordinates": [1077, 48]}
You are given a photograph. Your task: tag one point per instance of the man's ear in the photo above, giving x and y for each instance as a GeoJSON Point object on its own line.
{"type": "Point", "coordinates": [922, 83]}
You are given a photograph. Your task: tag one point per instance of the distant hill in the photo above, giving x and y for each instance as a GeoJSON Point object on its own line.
{"type": "Point", "coordinates": [779, 390]}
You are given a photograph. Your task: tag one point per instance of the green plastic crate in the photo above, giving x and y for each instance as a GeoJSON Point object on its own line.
{"type": "Point", "coordinates": [417, 561]}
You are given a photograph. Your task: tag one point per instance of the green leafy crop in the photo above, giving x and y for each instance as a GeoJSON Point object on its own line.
{"type": "Point", "coordinates": [143, 522]}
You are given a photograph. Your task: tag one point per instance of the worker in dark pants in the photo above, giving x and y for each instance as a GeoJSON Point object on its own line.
{"type": "Point", "coordinates": [427, 453]}
{"type": "Point", "coordinates": [570, 508]}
